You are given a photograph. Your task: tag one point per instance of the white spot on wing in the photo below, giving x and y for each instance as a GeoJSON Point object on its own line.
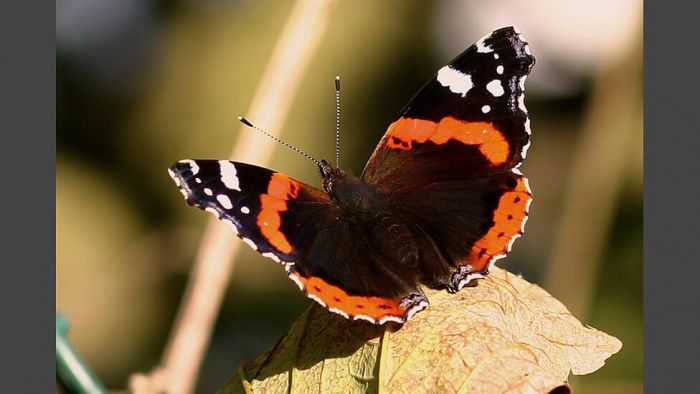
{"type": "Point", "coordinates": [224, 201]}
{"type": "Point", "coordinates": [296, 280]}
{"type": "Point", "coordinates": [231, 225]}
{"type": "Point", "coordinates": [522, 82]}
{"type": "Point", "coordinates": [510, 244]}
{"type": "Point", "coordinates": [250, 243]}
{"type": "Point", "coordinates": [499, 69]}
{"type": "Point", "coordinates": [229, 175]}
{"type": "Point", "coordinates": [174, 176]}
{"type": "Point", "coordinates": [495, 88]}
{"type": "Point", "coordinates": [521, 103]}
{"type": "Point", "coordinates": [363, 317]}
{"type": "Point", "coordinates": [481, 47]}
{"type": "Point", "coordinates": [315, 298]}
{"type": "Point", "coordinates": [391, 318]}
{"type": "Point", "coordinates": [527, 187]}
{"type": "Point", "coordinates": [497, 257]}
{"type": "Point", "coordinates": [271, 256]}
{"type": "Point", "coordinates": [208, 191]}
{"type": "Point", "coordinates": [525, 148]}
{"type": "Point", "coordinates": [495, 56]}
{"type": "Point", "coordinates": [522, 225]}
{"type": "Point", "coordinates": [455, 80]}
{"type": "Point", "coordinates": [193, 165]}
{"type": "Point", "coordinates": [527, 126]}
{"type": "Point", "coordinates": [338, 311]}
{"type": "Point", "coordinates": [245, 210]}
{"type": "Point", "coordinates": [485, 109]}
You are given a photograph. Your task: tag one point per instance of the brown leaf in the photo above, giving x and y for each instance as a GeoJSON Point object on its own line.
{"type": "Point", "coordinates": [504, 335]}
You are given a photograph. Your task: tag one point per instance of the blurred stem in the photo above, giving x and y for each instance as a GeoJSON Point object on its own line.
{"type": "Point", "coordinates": [70, 367]}
{"type": "Point", "coordinates": [211, 271]}
{"type": "Point", "coordinates": [600, 163]}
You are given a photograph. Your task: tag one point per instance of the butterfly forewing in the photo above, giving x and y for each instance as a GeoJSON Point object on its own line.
{"type": "Point", "coordinates": [324, 252]}
{"type": "Point", "coordinates": [468, 121]}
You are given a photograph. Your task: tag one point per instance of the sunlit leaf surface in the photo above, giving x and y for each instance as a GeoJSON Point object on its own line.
{"type": "Point", "coordinates": [505, 335]}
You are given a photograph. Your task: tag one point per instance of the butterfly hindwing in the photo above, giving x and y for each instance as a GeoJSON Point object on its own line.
{"type": "Point", "coordinates": [468, 224]}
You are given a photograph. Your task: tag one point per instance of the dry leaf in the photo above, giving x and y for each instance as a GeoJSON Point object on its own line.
{"type": "Point", "coordinates": [504, 335]}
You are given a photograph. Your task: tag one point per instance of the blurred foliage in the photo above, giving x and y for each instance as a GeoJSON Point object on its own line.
{"type": "Point", "coordinates": [167, 83]}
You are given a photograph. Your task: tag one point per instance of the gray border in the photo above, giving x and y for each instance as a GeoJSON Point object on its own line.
{"type": "Point", "coordinates": [27, 155]}
{"type": "Point", "coordinates": [671, 197]}
{"type": "Point", "coordinates": [672, 211]}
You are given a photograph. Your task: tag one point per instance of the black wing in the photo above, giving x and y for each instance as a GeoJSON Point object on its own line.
{"type": "Point", "coordinates": [301, 227]}
{"type": "Point", "coordinates": [448, 163]}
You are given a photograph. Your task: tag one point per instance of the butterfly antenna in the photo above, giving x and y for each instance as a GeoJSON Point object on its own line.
{"type": "Point", "coordinates": [337, 121]}
{"type": "Point", "coordinates": [292, 147]}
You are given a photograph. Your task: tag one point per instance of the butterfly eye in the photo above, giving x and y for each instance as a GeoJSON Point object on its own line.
{"type": "Point", "coordinates": [328, 185]}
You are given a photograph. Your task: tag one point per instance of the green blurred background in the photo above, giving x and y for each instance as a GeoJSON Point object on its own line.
{"type": "Point", "coordinates": [141, 84]}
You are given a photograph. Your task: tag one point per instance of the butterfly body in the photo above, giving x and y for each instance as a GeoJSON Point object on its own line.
{"type": "Point", "coordinates": [351, 194]}
{"type": "Point", "coordinates": [439, 201]}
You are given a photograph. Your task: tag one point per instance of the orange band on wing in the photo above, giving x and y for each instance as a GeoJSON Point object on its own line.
{"type": "Point", "coordinates": [508, 220]}
{"type": "Point", "coordinates": [279, 190]}
{"type": "Point", "coordinates": [335, 297]}
{"type": "Point", "coordinates": [405, 131]}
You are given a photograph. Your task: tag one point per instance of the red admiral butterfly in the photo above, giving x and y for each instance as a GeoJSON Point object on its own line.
{"type": "Point", "coordinates": [439, 201]}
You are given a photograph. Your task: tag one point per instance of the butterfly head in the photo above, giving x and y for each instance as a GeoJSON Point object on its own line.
{"type": "Point", "coordinates": [348, 191]}
{"type": "Point", "coordinates": [330, 176]}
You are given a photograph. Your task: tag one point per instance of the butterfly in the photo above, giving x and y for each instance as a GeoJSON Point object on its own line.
{"type": "Point", "coordinates": [439, 201]}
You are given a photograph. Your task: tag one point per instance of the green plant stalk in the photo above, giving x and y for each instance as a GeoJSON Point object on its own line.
{"type": "Point", "coordinates": [70, 367]}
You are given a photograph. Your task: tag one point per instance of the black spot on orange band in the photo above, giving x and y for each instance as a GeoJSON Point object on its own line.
{"type": "Point", "coordinates": [508, 219]}
{"type": "Point", "coordinates": [337, 298]}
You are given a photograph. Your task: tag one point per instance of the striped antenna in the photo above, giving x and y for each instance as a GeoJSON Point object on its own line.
{"type": "Point", "coordinates": [292, 147]}
{"type": "Point", "coordinates": [337, 121]}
